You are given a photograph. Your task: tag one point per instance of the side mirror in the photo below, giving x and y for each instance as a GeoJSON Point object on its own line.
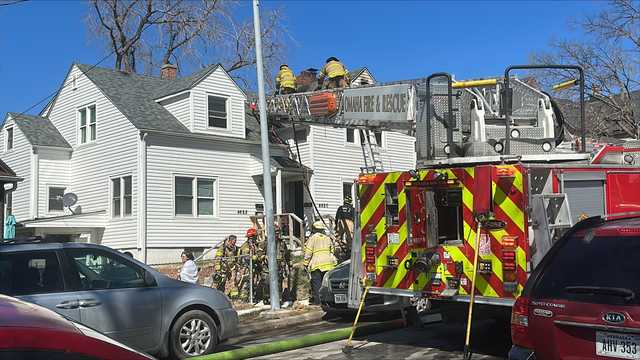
{"type": "Point", "coordinates": [149, 279]}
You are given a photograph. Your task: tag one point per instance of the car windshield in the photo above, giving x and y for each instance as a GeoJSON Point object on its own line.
{"type": "Point", "coordinates": [595, 268]}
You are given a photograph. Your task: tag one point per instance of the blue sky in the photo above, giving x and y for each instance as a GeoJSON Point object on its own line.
{"type": "Point", "coordinates": [396, 40]}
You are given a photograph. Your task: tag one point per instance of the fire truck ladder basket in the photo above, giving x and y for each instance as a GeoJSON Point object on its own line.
{"type": "Point", "coordinates": [551, 217]}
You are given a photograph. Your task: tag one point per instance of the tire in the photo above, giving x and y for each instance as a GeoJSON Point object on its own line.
{"type": "Point", "coordinates": [184, 343]}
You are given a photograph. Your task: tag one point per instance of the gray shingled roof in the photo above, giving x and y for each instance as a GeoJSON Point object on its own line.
{"type": "Point", "coordinates": [184, 83]}
{"type": "Point", "coordinates": [39, 130]}
{"type": "Point", "coordinates": [134, 95]}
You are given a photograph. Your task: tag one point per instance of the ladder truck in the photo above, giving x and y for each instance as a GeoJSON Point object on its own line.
{"type": "Point", "coordinates": [493, 176]}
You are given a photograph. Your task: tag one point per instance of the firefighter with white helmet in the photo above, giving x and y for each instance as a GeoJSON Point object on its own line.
{"type": "Point", "coordinates": [318, 257]}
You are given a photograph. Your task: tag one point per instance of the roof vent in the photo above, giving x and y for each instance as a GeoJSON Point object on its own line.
{"type": "Point", "coordinates": [168, 71]}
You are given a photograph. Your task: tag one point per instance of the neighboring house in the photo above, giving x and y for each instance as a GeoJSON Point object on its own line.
{"type": "Point", "coordinates": [8, 184]}
{"type": "Point", "coordinates": [159, 164]}
{"type": "Point", "coordinates": [361, 77]}
{"type": "Point", "coordinates": [602, 120]}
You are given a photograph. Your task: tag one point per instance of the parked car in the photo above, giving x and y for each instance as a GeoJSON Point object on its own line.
{"type": "Point", "coordinates": [118, 296]}
{"type": "Point", "coordinates": [583, 300]}
{"type": "Point", "coordinates": [334, 295]}
{"type": "Point", "coordinates": [31, 332]}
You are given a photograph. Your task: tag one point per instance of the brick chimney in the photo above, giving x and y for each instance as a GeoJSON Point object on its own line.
{"type": "Point", "coordinates": [168, 71]}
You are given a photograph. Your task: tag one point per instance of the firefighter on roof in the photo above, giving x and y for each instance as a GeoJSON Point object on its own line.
{"type": "Point", "coordinates": [336, 72]}
{"type": "Point", "coordinates": [318, 257]}
{"type": "Point", "coordinates": [285, 80]}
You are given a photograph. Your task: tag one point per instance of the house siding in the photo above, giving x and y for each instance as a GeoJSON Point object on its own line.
{"type": "Point", "coordinates": [219, 83]}
{"type": "Point", "coordinates": [114, 153]}
{"type": "Point", "coordinates": [237, 190]}
{"type": "Point", "coordinates": [53, 171]}
{"type": "Point", "coordinates": [180, 107]}
{"type": "Point", "coordinates": [334, 161]}
{"type": "Point", "coordinates": [19, 160]}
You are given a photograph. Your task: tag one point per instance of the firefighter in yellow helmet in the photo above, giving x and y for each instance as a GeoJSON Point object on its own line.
{"type": "Point", "coordinates": [285, 80]}
{"type": "Point", "coordinates": [336, 72]}
{"type": "Point", "coordinates": [318, 257]}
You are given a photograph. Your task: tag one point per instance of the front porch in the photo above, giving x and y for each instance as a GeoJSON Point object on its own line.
{"type": "Point", "coordinates": [85, 227]}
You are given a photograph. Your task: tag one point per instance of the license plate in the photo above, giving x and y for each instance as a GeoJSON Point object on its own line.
{"type": "Point", "coordinates": [623, 346]}
{"type": "Point", "coordinates": [340, 298]}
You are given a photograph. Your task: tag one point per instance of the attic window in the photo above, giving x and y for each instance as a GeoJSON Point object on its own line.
{"type": "Point", "coordinates": [87, 124]}
{"type": "Point", "coordinates": [9, 142]}
{"type": "Point", "coordinates": [217, 114]}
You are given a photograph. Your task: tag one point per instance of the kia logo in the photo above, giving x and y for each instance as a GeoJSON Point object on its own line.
{"type": "Point", "coordinates": [613, 317]}
{"type": "Point", "coordinates": [342, 285]}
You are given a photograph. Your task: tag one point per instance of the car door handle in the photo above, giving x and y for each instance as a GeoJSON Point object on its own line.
{"type": "Point", "coordinates": [89, 302]}
{"type": "Point", "coordinates": [71, 304]}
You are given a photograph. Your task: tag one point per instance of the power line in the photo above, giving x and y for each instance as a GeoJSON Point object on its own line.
{"type": "Point", "coordinates": [65, 84]}
{"type": "Point", "coordinates": [12, 3]}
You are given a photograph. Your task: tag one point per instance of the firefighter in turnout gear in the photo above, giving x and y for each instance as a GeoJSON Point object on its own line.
{"type": "Point", "coordinates": [344, 228]}
{"type": "Point", "coordinates": [336, 72]}
{"type": "Point", "coordinates": [285, 80]}
{"type": "Point", "coordinates": [226, 264]}
{"type": "Point", "coordinates": [259, 261]}
{"type": "Point", "coordinates": [318, 257]}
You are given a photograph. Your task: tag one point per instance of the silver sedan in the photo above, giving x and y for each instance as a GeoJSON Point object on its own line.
{"type": "Point", "coordinates": [118, 296]}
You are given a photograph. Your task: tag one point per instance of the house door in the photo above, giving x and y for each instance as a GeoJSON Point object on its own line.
{"type": "Point", "coordinates": [294, 200]}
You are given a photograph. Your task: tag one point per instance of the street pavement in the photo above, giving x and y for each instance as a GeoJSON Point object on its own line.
{"type": "Point", "coordinates": [433, 341]}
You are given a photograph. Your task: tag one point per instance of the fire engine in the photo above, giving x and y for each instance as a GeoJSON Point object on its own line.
{"type": "Point", "coordinates": [494, 176]}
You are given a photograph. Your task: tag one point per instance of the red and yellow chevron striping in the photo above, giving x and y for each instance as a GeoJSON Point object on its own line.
{"type": "Point", "coordinates": [385, 215]}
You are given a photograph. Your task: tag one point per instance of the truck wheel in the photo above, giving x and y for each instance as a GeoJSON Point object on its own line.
{"type": "Point", "coordinates": [193, 333]}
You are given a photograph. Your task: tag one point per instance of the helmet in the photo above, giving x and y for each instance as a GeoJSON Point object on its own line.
{"type": "Point", "coordinates": [319, 225]}
{"type": "Point", "coordinates": [348, 200]}
{"type": "Point", "coordinates": [283, 65]}
{"type": "Point", "coordinates": [251, 232]}
{"type": "Point", "coordinates": [332, 59]}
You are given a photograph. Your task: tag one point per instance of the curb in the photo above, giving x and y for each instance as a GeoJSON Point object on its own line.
{"type": "Point", "coordinates": [279, 323]}
{"type": "Point", "coordinates": [301, 342]}
{"type": "Point", "coordinates": [253, 310]}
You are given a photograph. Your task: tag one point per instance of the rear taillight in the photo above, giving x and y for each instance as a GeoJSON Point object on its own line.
{"type": "Point", "coordinates": [520, 323]}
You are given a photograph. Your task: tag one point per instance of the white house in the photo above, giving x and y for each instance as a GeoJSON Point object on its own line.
{"type": "Point", "coordinates": [159, 164]}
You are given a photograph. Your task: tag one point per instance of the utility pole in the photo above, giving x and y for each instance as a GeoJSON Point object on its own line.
{"type": "Point", "coordinates": [274, 289]}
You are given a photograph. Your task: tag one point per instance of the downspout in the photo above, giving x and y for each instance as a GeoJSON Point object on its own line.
{"type": "Point", "coordinates": [35, 171]}
{"type": "Point", "coordinates": [142, 196]}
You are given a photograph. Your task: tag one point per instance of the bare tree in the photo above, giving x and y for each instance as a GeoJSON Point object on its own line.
{"type": "Point", "coordinates": [123, 24]}
{"type": "Point", "coordinates": [609, 55]}
{"type": "Point", "coordinates": [199, 32]}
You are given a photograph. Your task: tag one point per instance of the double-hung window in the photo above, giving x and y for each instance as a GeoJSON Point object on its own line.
{"type": "Point", "coordinates": [55, 199]}
{"type": "Point", "coordinates": [87, 124]}
{"type": "Point", "coordinates": [195, 196]}
{"type": "Point", "coordinates": [217, 114]}
{"type": "Point", "coordinates": [121, 196]}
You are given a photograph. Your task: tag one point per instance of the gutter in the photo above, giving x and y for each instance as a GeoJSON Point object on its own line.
{"type": "Point", "coordinates": [58, 148]}
{"type": "Point", "coordinates": [209, 137]}
{"type": "Point", "coordinates": [142, 196]}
